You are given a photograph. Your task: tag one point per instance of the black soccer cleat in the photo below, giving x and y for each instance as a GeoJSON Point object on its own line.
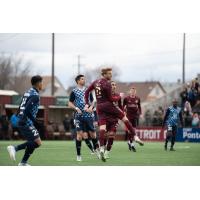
{"type": "Point", "coordinates": [172, 149]}
{"type": "Point", "coordinates": [165, 148]}
{"type": "Point", "coordinates": [133, 149]}
{"type": "Point", "coordinates": [129, 147]}
{"type": "Point", "coordinates": [103, 156]}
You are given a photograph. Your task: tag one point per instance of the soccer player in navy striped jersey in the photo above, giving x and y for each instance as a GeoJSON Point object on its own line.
{"type": "Point", "coordinates": [27, 113]}
{"type": "Point", "coordinates": [172, 117]}
{"type": "Point", "coordinates": [84, 120]}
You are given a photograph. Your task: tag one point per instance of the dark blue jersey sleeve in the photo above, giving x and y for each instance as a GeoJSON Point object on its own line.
{"type": "Point", "coordinates": [72, 97]}
{"type": "Point", "coordinates": [166, 116]}
{"type": "Point", "coordinates": [30, 104]}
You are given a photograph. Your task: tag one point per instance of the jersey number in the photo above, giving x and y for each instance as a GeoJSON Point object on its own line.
{"type": "Point", "coordinates": [22, 105]}
{"type": "Point", "coordinates": [35, 132]}
{"type": "Point", "coordinates": [98, 91]}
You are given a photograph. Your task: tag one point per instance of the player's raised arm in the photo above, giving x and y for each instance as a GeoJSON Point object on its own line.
{"type": "Point", "coordinates": [87, 93]}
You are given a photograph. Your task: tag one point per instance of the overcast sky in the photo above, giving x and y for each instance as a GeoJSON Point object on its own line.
{"type": "Point", "coordinates": [140, 57]}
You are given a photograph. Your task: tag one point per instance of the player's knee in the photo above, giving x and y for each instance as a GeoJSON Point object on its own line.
{"type": "Point", "coordinates": [79, 138]}
{"type": "Point", "coordinates": [38, 142]}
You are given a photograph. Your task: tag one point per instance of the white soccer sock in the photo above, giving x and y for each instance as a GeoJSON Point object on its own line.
{"type": "Point", "coordinates": [102, 149]}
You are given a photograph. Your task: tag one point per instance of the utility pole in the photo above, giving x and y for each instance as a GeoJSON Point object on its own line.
{"type": "Point", "coordinates": [183, 72]}
{"type": "Point", "coordinates": [79, 64]}
{"type": "Point", "coordinates": [52, 66]}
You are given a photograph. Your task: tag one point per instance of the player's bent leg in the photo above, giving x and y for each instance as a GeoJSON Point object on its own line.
{"type": "Point", "coordinates": [95, 144]}
{"type": "Point", "coordinates": [128, 125]}
{"type": "Point", "coordinates": [132, 131]}
{"type": "Point", "coordinates": [38, 141]}
{"type": "Point", "coordinates": [34, 142]}
{"type": "Point", "coordinates": [31, 146]}
{"type": "Point", "coordinates": [93, 136]}
{"type": "Point", "coordinates": [87, 142]}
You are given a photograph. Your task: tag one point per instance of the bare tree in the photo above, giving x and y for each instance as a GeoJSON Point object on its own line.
{"type": "Point", "coordinates": [5, 71]}
{"type": "Point", "coordinates": [92, 74]}
{"type": "Point", "coordinates": [14, 73]}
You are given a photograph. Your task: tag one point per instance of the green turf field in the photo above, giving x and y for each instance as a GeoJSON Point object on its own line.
{"type": "Point", "coordinates": [62, 153]}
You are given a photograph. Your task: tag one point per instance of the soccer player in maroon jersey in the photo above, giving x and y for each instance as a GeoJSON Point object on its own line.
{"type": "Point", "coordinates": [132, 107]}
{"type": "Point", "coordinates": [112, 123]}
{"type": "Point", "coordinates": [105, 106]}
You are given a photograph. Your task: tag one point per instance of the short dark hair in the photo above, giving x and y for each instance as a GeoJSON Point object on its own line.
{"type": "Point", "coordinates": [79, 77]}
{"type": "Point", "coordinates": [36, 79]}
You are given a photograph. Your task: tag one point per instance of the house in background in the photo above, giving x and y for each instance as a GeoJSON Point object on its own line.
{"type": "Point", "coordinates": [147, 91]}
{"type": "Point", "coordinates": [58, 87]}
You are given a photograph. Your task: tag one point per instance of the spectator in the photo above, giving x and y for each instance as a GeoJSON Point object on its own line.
{"type": "Point", "coordinates": [198, 94]}
{"type": "Point", "coordinates": [66, 123]}
{"type": "Point", "coordinates": [187, 113]}
{"type": "Point", "coordinates": [4, 126]}
{"type": "Point", "coordinates": [14, 124]}
{"type": "Point", "coordinates": [160, 116]}
{"type": "Point", "coordinates": [72, 129]}
{"type": "Point", "coordinates": [192, 96]}
{"type": "Point", "coordinates": [195, 121]}
{"type": "Point", "coordinates": [196, 108]}
{"type": "Point", "coordinates": [196, 84]}
{"type": "Point", "coordinates": [155, 118]}
{"type": "Point", "coordinates": [184, 96]}
{"type": "Point", "coordinates": [147, 116]}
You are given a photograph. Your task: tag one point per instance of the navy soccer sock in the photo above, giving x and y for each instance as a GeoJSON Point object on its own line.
{"type": "Point", "coordinates": [95, 143]}
{"type": "Point", "coordinates": [78, 147]}
{"type": "Point", "coordinates": [21, 146]}
{"type": "Point", "coordinates": [88, 143]}
{"type": "Point", "coordinates": [31, 146]}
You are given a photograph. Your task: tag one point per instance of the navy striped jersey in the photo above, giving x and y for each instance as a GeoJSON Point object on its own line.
{"type": "Point", "coordinates": [172, 116]}
{"type": "Point", "coordinates": [29, 105]}
{"type": "Point", "coordinates": [77, 98]}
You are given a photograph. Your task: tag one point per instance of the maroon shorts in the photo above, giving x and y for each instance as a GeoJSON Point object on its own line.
{"type": "Point", "coordinates": [111, 125]}
{"type": "Point", "coordinates": [108, 111]}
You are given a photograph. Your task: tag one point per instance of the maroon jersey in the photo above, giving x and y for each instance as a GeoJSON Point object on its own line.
{"type": "Point", "coordinates": [117, 103]}
{"type": "Point", "coordinates": [105, 107]}
{"type": "Point", "coordinates": [133, 107]}
{"type": "Point", "coordinates": [112, 121]}
{"type": "Point", "coordinates": [103, 91]}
